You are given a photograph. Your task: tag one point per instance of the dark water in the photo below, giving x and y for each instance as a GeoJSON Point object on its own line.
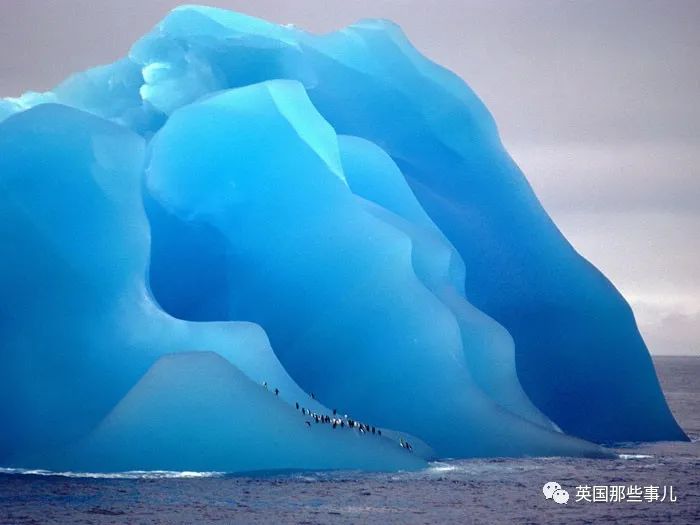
{"type": "Point", "coordinates": [485, 491]}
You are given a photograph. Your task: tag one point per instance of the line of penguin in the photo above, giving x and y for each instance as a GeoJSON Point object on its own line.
{"type": "Point", "coordinates": [340, 422]}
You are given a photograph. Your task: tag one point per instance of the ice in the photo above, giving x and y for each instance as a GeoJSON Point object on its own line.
{"type": "Point", "coordinates": [229, 424]}
{"type": "Point", "coordinates": [331, 215]}
{"type": "Point", "coordinates": [579, 354]}
{"type": "Point", "coordinates": [80, 327]}
{"type": "Point", "coordinates": [393, 351]}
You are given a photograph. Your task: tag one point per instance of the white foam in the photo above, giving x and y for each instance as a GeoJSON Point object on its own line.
{"type": "Point", "coordinates": [634, 456]}
{"type": "Point", "coordinates": [442, 467]}
{"type": "Point", "coordinates": [132, 474]}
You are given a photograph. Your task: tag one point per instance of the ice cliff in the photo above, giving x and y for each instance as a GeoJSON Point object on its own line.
{"type": "Point", "coordinates": [240, 220]}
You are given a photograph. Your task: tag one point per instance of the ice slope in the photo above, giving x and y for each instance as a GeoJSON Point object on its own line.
{"type": "Point", "coordinates": [196, 411]}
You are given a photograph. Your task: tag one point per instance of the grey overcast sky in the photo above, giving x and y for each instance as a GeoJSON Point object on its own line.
{"type": "Point", "coordinates": [597, 100]}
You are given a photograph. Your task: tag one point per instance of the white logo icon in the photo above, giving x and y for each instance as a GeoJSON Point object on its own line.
{"type": "Point", "coordinates": [549, 488]}
{"type": "Point", "coordinates": [560, 496]}
{"type": "Point", "coordinates": [553, 490]}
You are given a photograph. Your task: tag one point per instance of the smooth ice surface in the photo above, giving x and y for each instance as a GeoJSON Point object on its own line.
{"type": "Point", "coordinates": [331, 214]}
{"type": "Point", "coordinates": [229, 423]}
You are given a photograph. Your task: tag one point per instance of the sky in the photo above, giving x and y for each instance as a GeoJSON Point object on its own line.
{"type": "Point", "coordinates": [597, 101]}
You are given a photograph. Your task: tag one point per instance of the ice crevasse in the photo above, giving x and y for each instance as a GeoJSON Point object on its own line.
{"type": "Point", "coordinates": [239, 220]}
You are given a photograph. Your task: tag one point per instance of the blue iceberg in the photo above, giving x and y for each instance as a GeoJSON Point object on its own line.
{"type": "Point", "coordinates": [244, 247]}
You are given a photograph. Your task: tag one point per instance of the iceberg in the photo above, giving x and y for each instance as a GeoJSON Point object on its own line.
{"type": "Point", "coordinates": [242, 228]}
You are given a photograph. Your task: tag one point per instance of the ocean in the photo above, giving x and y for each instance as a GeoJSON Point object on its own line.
{"type": "Point", "coordinates": [489, 491]}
